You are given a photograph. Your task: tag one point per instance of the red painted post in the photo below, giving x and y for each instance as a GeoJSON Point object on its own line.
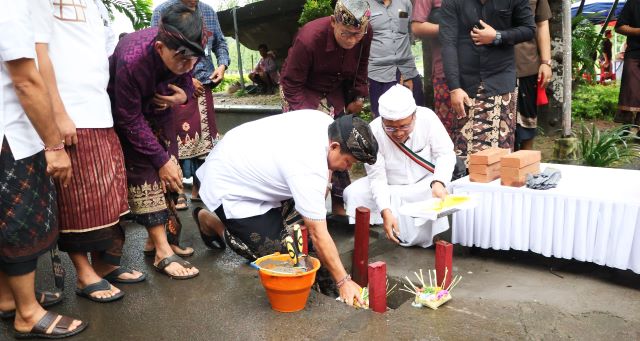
{"type": "Point", "coordinates": [305, 239]}
{"type": "Point", "coordinates": [361, 247]}
{"type": "Point", "coordinates": [444, 259]}
{"type": "Point", "coordinates": [378, 287]}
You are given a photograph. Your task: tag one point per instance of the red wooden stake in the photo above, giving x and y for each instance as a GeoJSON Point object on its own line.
{"type": "Point", "coordinates": [305, 239]}
{"type": "Point", "coordinates": [361, 247]}
{"type": "Point", "coordinates": [378, 287]}
{"type": "Point", "coordinates": [444, 259]}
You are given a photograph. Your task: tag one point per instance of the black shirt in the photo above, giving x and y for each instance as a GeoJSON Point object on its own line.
{"type": "Point", "coordinates": [465, 64]}
{"type": "Point", "coordinates": [630, 15]}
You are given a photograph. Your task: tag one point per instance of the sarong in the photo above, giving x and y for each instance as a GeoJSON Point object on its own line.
{"type": "Point", "coordinates": [28, 212]}
{"type": "Point", "coordinates": [196, 126]}
{"type": "Point", "coordinates": [527, 113]}
{"type": "Point", "coordinates": [629, 97]}
{"type": "Point", "coordinates": [95, 199]}
{"type": "Point", "coordinates": [377, 89]}
{"type": "Point", "coordinates": [490, 122]}
{"type": "Point", "coordinates": [442, 104]}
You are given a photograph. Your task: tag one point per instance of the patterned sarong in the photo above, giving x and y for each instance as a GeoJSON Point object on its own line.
{"type": "Point", "coordinates": [629, 100]}
{"type": "Point", "coordinates": [196, 126]}
{"type": "Point", "coordinates": [490, 122]}
{"type": "Point", "coordinates": [28, 214]}
{"type": "Point", "coordinates": [442, 104]}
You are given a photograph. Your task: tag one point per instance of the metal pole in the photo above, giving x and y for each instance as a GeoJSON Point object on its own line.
{"type": "Point", "coordinates": [235, 30]}
{"type": "Point", "coordinates": [566, 68]}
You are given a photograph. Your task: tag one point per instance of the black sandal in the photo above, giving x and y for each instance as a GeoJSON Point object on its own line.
{"type": "Point", "coordinates": [212, 242]}
{"type": "Point", "coordinates": [59, 331]}
{"type": "Point", "coordinates": [162, 265]}
{"type": "Point", "coordinates": [44, 298]}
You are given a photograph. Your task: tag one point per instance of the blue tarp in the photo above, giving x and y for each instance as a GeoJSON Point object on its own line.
{"type": "Point", "coordinates": [597, 10]}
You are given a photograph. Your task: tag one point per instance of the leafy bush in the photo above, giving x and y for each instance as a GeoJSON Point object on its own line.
{"type": "Point", "coordinates": [607, 148]}
{"type": "Point", "coordinates": [228, 81]}
{"type": "Point", "coordinates": [584, 42]}
{"type": "Point", "coordinates": [595, 101]}
{"type": "Point", "coordinates": [314, 9]}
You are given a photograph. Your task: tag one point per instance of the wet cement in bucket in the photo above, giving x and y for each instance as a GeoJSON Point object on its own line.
{"type": "Point", "coordinates": [283, 266]}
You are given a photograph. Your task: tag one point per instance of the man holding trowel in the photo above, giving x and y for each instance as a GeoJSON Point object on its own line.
{"type": "Point", "coordinates": [267, 175]}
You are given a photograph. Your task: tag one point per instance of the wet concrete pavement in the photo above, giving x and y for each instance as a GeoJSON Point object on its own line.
{"type": "Point", "coordinates": [503, 295]}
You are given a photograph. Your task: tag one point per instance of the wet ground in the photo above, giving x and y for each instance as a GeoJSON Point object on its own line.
{"type": "Point", "coordinates": [503, 295]}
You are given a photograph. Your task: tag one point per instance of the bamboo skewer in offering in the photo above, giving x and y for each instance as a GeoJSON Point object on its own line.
{"type": "Point", "coordinates": [435, 294]}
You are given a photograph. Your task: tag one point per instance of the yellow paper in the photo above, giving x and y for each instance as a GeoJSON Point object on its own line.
{"type": "Point", "coordinates": [448, 202]}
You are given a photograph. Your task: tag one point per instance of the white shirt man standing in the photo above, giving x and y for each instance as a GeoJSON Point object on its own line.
{"type": "Point", "coordinates": [395, 179]}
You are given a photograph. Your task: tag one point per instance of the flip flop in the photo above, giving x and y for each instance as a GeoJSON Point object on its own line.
{"type": "Point", "coordinates": [98, 286]}
{"type": "Point", "coordinates": [152, 252]}
{"type": "Point", "coordinates": [45, 298]}
{"type": "Point", "coordinates": [59, 331]}
{"type": "Point", "coordinates": [213, 242]}
{"type": "Point", "coordinates": [113, 276]}
{"type": "Point", "coordinates": [162, 265]}
{"type": "Point", "coordinates": [182, 200]}
{"type": "Point", "coordinates": [196, 199]}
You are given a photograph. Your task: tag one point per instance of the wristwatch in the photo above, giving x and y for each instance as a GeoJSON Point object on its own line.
{"type": "Point", "coordinates": [548, 62]}
{"type": "Point", "coordinates": [498, 39]}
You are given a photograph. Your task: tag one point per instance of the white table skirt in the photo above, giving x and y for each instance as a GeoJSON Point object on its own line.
{"type": "Point", "coordinates": [593, 215]}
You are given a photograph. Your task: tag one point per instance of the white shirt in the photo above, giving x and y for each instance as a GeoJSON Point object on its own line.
{"type": "Point", "coordinates": [429, 139]}
{"type": "Point", "coordinates": [77, 49]}
{"type": "Point", "coordinates": [16, 42]}
{"type": "Point", "coordinates": [261, 163]}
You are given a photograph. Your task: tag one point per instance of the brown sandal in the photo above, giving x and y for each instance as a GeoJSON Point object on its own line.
{"type": "Point", "coordinates": [59, 331]}
{"type": "Point", "coordinates": [182, 200]}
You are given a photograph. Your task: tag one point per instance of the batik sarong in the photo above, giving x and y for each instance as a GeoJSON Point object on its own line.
{"type": "Point", "coordinates": [91, 205]}
{"type": "Point", "coordinates": [442, 104]}
{"type": "Point", "coordinates": [489, 122]}
{"type": "Point", "coordinates": [28, 212]}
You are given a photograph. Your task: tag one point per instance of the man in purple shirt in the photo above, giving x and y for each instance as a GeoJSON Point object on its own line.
{"type": "Point", "coordinates": [150, 73]}
{"type": "Point", "coordinates": [326, 70]}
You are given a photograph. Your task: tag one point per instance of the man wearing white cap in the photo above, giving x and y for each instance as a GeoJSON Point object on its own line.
{"type": "Point", "coordinates": [415, 162]}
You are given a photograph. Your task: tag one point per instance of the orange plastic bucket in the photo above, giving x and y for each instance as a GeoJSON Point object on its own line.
{"type": "Point", "coordinates": [287, 292]}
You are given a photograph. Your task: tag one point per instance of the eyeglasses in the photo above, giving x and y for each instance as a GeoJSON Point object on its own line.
{"type": "Point", "coordinates": [347, 34]}
{"type": "Point", "coordinates": [405, 127]}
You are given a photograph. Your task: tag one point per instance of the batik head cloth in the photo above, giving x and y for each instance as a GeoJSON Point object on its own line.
{"type": "Point", "coordinates": [178, 40]}
{"type": "Point", "coordinates": [397, 103]}
{"type": "Point", "coordinates": [357, 138]}
{"type": "Point", "coordinates": [353, 13]}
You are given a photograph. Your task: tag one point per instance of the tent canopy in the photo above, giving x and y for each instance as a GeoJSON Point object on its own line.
{"type": "Point", "coordinates": [597, 10]}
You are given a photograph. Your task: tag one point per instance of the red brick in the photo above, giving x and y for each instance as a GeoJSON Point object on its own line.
{"type": "Point", "coordinates": [520, 159]}
{"type": "Point", "coordinates": [485, 169]}
{"type": "Point", "coordinates": [487, 156]}
{"type": "Point", "coordinates": [509, 172]}
{"type": "Point", "coordinates": [476, 177]}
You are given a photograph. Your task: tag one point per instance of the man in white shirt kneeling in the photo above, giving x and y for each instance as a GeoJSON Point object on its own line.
{"type": "Point", "coordinates": [415, 162]}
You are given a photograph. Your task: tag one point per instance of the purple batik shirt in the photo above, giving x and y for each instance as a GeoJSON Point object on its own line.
{"type": "Point", "coordinates": [137, 73]}
{"type": "Point", "coordinates": [318, 67]}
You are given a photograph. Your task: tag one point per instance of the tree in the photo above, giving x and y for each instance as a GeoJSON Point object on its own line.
{"type": "Point", "coordinates": [138, 11]}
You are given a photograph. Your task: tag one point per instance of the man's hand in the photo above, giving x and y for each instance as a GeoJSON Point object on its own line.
{"type": "Point", "coordinates": [164, 102]}
{"type": "Point", "coordinates": [390, 225]}
{"type": "Point", "coordinates": [67, 129]}
{"type": "Point", "coordinates": [408, 83]}
{"type": "Point", "coordinates": [354, 107]}
{"type": "Point", "coordinates": [544, 75]}
{"type": "Point", "coordinates": [484, 36]}
{"type": "Point", "coordinates": [459, 98]}
{"type": "Point", "coordinates": [218, 74]}
{"type": "Point", "coordinates": [199, 88]}
{"type": "Point", "coordinates": [59, 166]}
{"type": "Point", "coordinates": [171, 176]}
{"type": "Point", "coordinates": [438, 190]}
{"type": "Point", "coordinates": [350, 291]}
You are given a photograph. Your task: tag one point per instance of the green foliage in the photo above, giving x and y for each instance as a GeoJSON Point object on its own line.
{"type": "Point", "coordinates": [249, 57]}
{"type": "Point", "coordinates": [595, 101]}
{"type": "Point", "coordinates": [314, 9]}
{"type": "Point", "coordinates": [584, 42]}
{"type": "Point", "coordinates": [138, 11]}
{"type": "Point", "coordinates": [228, 81]}
{"type": "Point", "coordinates": [606, 148]}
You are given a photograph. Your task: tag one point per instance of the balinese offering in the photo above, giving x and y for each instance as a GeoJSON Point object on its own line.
{"type": "Point", "coordinates": [433, 295]}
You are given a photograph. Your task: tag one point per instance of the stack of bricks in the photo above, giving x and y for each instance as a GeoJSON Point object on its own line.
{"type": "Point", "coordinates": [484, 166]}
{"type": "Point", "coordinates": [515, 167]}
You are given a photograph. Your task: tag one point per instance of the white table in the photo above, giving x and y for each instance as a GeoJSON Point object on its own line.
{"type": "Point", "coordinates": [593, 216]}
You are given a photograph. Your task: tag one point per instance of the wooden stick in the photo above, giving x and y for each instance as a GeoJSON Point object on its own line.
{"type": "Point", "coordinates": [413, 286]}
{"type": "Point", "coordinates": [435, 277]}
{"type": "Point", "coordinates": [456, 283]}
{"type": "Point", "coordinates": [419, 279]}
{"type": "Point", "coordinates": [430, 284]}
{"type": "Point", "coordinates": [422, 277]}
{"type": "Point", "coordinates": [444, 280]}
{"type": "Point", "coordinates": [409, 291]}
{"type": "Point", "coordinates": [390, 290]}
{"type": "Point", "coordinates": [454, 279]}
